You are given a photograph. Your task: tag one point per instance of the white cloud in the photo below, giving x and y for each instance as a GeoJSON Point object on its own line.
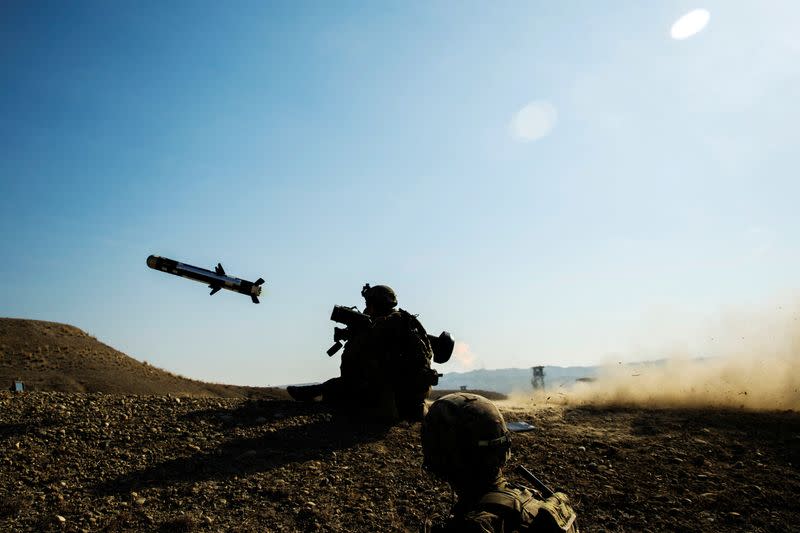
{"type": "Point", "coordinates": [690, 24]}
{"type": "Point", "coordinates": [534, 121]}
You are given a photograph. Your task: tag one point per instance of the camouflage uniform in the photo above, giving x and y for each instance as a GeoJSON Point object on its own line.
{"type": "Point", "coordinates": [385, 371]}
{"type": "Point", "coordinates": [364, 386]}
{"type": "Point", "coordinates": [505, 507]}
{"type": "Point", "coordinates": [401, 346]}
{"type": "Point", "coordinates": [466, 443]}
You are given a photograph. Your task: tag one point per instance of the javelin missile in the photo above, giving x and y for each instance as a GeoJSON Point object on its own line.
{"type": "Point", "coordinates": [216, 280]}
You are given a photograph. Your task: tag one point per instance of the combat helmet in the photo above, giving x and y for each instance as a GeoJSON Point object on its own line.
{"type": "Point", "coordinates": [380, 297]}
{"type": "Point", "coordinates": [464, 437]}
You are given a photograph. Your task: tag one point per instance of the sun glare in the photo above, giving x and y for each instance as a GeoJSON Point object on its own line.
{"type": "Point", "coordinates": [533, 121]}
{"type": "Point", "coordinates": [690, 24]}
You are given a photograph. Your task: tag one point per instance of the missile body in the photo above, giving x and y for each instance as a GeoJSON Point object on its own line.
{"type": "Point", "coordinates": [216, 279]}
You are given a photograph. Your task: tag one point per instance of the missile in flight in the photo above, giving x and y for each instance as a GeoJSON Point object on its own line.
{"type": "Point", "coordinates": [216, 280]}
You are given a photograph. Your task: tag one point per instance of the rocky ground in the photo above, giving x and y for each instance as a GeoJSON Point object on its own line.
{"type": "Point", "coordinates": [95, 462]}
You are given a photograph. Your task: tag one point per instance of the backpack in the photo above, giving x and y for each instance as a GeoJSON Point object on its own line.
{"type": "Point", "coordinates": [404, 342]}
{"type": "Point", "coordinates": [416, 345]}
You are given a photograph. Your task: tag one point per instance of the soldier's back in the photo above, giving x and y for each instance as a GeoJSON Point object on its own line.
{"type": "Point", "coordinates": [510, 507]}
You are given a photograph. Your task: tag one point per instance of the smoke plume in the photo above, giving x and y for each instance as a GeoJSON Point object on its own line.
{"type": "Point", "coordinates": [463, 356]}
{"type": "Point", "coordinates": [748, 360]}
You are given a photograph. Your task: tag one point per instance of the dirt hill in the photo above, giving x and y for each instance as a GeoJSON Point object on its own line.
{"type": "Point", "coordinates": [49, 356]}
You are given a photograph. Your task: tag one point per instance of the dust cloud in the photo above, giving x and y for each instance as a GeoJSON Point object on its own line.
{"type": "Point", "coordinates": [746, 360]}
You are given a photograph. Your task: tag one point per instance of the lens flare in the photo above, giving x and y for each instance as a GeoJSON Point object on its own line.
{"type": "Point", "coordinates": [690, 24]}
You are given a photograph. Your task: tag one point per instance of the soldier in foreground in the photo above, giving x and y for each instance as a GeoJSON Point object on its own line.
{"type": "Point", "coordinates": [466, 442]}
{"type": "Point", "coordinates": [386, 365]}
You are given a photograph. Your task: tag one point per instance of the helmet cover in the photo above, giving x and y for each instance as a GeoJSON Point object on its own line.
{"type": "Point", "coordinates": [464, 434]}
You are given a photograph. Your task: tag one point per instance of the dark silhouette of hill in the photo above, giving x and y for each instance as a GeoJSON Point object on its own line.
{"type": "Point", "coordinates": [510, 380]}
{"type": "Point", "coordinates": [48, 356]}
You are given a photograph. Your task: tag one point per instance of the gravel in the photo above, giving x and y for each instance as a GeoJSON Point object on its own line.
{"type": "Point", "coordinates": [99, 462]}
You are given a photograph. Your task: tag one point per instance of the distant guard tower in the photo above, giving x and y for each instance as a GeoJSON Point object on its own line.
{"type": "Point", "coordinates": [538, 378]}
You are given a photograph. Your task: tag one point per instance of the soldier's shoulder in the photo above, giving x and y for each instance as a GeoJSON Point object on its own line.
{"type": "Point", "coordinates": [398, 317]}
{"type": "Point", "coordinates": [408, 318]}
{"type": "Point", "coordinates": [508, 498]}
{"type": "Point", "coordinates": [517, 505]}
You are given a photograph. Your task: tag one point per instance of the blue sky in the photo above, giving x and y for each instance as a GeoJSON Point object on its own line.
{"type": "Point", "coordinates": [325, 145]}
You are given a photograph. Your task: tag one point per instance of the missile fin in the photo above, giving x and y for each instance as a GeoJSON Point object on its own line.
{"type": "Point", "coordinates": [214, 289]}
{"type": "Point", "coordinates": [219, 270]}
{"type": "Point", "coordinates": [259, 281]}
{"type": "Point", "coordinates": [255, 300]}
